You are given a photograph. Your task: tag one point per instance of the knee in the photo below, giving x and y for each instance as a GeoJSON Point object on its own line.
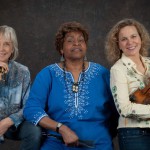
{"type": "Point", "coordinates": [32, 131]}
{"type": "Point", "coordinates": [36, 132]}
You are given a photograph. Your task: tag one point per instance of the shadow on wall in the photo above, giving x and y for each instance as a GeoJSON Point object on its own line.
{"type": "Point", "coordinates": [36, 22]}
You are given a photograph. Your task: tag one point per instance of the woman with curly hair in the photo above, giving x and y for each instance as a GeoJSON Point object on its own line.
{"type": "Point", "coordinates": [71, 99]}
{"type": "Point", "coordinates": [127, 47]}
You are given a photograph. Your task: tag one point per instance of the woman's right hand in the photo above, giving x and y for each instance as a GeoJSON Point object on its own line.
{"type": "Point", "coordinates": [4, 67]}
{"type": "Point", "coordinates": [70, 138]}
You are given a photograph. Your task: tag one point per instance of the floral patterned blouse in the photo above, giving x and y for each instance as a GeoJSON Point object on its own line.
{"type": "Point", "coordinates": [14, 92]}
{"type": "Point", "coordinates": [125, 79]}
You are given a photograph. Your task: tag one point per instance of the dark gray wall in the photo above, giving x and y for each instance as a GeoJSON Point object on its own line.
{"type": "Point", "coordinates": [36, 22]}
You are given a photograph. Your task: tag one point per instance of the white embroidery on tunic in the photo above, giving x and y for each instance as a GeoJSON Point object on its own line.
{"type": "Point", "coordinates": [76, 102]}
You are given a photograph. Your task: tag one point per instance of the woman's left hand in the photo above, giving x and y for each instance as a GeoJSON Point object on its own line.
{"type": "Point", "coordinates": [5, 124]}
{"type": "Point", "coordinates": [70, 138]}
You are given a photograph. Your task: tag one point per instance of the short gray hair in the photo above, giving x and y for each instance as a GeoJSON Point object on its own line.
{"type": "Point", "coordinates": [9, 33]}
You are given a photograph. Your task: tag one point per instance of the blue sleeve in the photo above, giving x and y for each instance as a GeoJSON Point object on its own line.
{"type": "Point", "coordinates": [17, 117]}
{"type": "Point", "coordinates": [35, 106]}
{"type": "Point", "coordinates": [113, 113]}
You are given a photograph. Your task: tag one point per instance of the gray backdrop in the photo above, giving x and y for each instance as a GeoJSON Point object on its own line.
{"type": "Point", "coordinates": [36, 22]}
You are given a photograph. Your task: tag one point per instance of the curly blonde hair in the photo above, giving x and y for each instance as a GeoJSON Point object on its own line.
{"type": "Point", "coordinates": [111, 45]}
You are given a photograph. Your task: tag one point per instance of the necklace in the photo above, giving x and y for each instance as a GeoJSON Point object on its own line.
{"type": "Point", "coordinates": [75, 85]}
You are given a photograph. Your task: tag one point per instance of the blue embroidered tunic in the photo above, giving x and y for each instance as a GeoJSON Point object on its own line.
{"type": "Point", "coordinates": [85, 112]}
{"type": "Point", "coordinates": [14, 92]}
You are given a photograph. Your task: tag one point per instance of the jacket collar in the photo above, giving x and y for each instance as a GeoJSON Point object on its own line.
{"type": "Point", "coordinates": [129, 63]}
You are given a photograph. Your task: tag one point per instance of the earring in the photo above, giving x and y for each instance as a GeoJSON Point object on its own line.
{"type": "Point", "coordinates": [62, 58]}
{"type": "Point", "coordinates": [85, 58]}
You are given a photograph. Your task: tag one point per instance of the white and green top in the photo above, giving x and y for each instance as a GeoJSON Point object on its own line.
{"type": "Point", "coordinates": [125, 79]}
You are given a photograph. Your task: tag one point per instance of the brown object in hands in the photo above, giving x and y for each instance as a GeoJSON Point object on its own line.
{"type": "Point", "coordinates": [2, 71]}
{"type": "Point", "coordinates": [141, 96]}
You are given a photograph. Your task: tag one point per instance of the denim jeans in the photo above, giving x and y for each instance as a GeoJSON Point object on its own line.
{"type": "Point", "coordinates": [134, 138]}
{"type": "Point", "coordinates": [29, 134]}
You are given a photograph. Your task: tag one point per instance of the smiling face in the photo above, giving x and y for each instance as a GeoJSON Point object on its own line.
{"type": "Point", "coordinates": [129, 41]}
{"type": "Point", "coordinates": [6, 49]}
{"type": "Point", "coordinates": [74, 46]}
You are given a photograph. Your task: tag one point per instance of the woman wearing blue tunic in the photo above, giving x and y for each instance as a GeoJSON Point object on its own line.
{"type": "Point", "coordinates": [71, 100]}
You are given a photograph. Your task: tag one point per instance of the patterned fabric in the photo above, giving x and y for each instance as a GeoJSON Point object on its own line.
{"type": "Point", "coordinates": [125, 79]}
{"type": "Point", "coordinates": [76, 103]}
{"type": "Point", "coordinates": [85, 112]}
{"type": "Point", "coordinates": [14, 92]}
